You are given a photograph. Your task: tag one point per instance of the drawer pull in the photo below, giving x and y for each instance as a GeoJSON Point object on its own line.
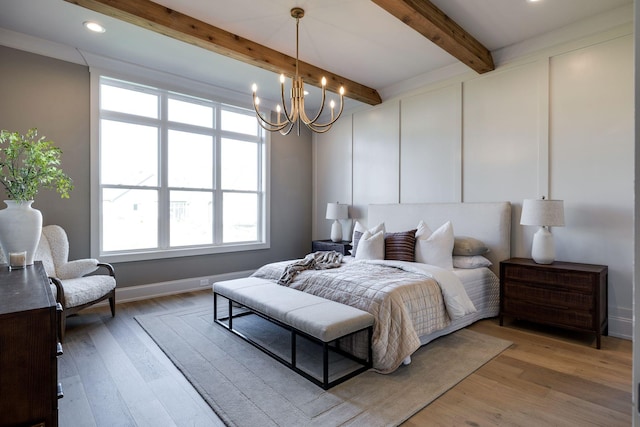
{"type": "Point", "coordinates": [60, 393]}
{"type": "Point", "coordinates": [59, 351]}
{"type": "Point", "coordinates": [554, 306]}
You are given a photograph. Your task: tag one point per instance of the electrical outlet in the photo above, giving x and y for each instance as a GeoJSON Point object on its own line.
{"type": "Point", "coordinates": [204, 282]}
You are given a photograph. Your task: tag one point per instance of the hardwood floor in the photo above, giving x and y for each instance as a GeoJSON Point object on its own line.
{"type": "Point", "coordinates": [113, 374]}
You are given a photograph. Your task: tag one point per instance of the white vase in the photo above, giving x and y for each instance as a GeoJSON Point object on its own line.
{"type": "Point", "coordinates": [20, 228]}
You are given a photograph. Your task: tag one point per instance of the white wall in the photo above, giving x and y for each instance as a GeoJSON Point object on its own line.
{"type": "Point", "coordinates": [557, 123]}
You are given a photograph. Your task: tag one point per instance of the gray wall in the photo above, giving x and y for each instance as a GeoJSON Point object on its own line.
{"type": "Point", "coordinates": [53, 96]}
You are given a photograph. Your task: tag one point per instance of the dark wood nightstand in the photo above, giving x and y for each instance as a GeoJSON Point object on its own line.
{"type": "Point", "coordinates": [563, 294]}
{"type": "Point", "coordinates": [328, 245]}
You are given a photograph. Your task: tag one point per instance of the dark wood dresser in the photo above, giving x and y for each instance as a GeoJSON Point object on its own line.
{"type": "Point", "coordinates": [29, 348]}
{"type": "Point", "coordinates": [563, 294]}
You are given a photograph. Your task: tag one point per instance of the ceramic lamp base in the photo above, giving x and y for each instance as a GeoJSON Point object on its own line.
{"type": "Point", "coordinates": [336, 231]}
{"type": "Point", "coordinates": [543, 250]}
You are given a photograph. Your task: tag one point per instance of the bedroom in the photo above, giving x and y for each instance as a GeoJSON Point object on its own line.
{"type": "Point", "coordinates": [596, 183]}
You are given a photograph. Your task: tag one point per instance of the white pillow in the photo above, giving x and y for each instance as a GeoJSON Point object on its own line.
{"type": "Point", "coordinates": [371, 246]}
{"type": "Point", "coordinates": [474, 261]}
{"type": "Point", "coordinates": [423, 232]}
{"type": "Point", "coordinates": [359, 228]}
{"type": "Point", "coordinates": [435, 248]}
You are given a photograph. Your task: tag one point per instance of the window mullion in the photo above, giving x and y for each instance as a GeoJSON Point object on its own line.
{"type": "Point", "coordinates": [217, 182]}
{"type": "Point", "coordinates": [164, 213]}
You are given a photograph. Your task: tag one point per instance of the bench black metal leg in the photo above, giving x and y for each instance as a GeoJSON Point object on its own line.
{"type": "Point", "coordinates": [215, 306]}
{"type": "Point", "coordinates": [325, 365]}
{"type": "Point", "coordinates": [324, 383]}
{"type": "Point", "coordinates": [370, 334]}
{"type": "Point", "coordinates": [293, 348]}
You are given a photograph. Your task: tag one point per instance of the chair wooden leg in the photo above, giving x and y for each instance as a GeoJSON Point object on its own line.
{"type": "Point", "coordinates": [112, 304]}
{"type": "Point", "coordinates": [63, 326]}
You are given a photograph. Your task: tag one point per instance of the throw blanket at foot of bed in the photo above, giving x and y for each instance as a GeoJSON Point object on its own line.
{"type": "Point", "coordinates": [322, 260]}
{"type": "Point", "coordinates": [405, 299]}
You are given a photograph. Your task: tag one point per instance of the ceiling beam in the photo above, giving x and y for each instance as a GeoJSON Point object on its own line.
{"type": "Point", "coordinates": [424, 17]}
{"type": "Point", "coordinates": [168, 22]}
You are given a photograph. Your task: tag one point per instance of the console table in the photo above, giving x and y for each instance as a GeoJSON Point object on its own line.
{"type": "Point", "coordinates": [29, 348]}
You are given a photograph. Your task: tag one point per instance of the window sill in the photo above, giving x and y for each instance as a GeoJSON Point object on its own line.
{"type": "Point", "coordinates": [177, 253]}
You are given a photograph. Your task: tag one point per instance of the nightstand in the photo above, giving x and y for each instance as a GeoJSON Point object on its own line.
{"type": "Point", "coordinates": [563, 294]}
{"type": "Point", "coordinates": [328, 245]}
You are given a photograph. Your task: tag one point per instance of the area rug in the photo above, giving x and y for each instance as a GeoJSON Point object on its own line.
{"type": "Point", "coordinates": [245, 387]}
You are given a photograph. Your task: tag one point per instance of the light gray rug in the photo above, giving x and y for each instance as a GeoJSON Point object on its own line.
{"type": "Point", "coordinates": [245, 387]}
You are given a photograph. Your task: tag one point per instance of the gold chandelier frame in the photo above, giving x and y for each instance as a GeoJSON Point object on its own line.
{"type": "Point", "coordinates": [297, 113]}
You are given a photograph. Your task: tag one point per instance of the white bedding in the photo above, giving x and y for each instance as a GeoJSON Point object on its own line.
{"type": "Point", "coordinates": [456, 301]}
{"type": "Point", "coordinates": [483, 288]}
{"type": "Point", "coordinates": [408, 300]}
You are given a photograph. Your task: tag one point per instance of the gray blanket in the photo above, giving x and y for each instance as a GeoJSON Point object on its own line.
{"type": "Point", "coordinates": [314, 261]}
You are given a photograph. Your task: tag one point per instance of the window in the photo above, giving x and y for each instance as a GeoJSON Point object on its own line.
{"type": "Point", "coordinates": [177, 174]}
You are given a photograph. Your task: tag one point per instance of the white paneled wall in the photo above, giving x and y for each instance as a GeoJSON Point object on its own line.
{"type": "Point", "coordinates": [334, 153]}
{"type": "Point", "coordinates": [558, 123]}
{"type": "Point", "coordinates": [430, 149]}
{"type": "Point", "coordinates": [592, 165]}
{"type": "Point", "coordinates": [505, 139]}
{"type": "Point", "coordinates": [376, 157]}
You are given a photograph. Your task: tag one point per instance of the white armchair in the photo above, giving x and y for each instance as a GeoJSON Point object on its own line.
{"type": "Point", "coordinates": [72, 286]}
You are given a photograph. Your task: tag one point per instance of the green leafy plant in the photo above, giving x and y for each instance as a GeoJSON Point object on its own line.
{"type": "Point", "coordinates": [29, 163]}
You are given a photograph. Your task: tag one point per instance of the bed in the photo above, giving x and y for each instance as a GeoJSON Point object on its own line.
{"type": "Point", "coordinates": [413, 303]}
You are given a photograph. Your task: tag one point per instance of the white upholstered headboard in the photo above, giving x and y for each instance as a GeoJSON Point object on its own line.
{"type": "Point", "coordinates": [488, 222]}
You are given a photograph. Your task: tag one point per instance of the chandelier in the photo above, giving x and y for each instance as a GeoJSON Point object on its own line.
{"type": "Point", "coordinates": [296, 113]}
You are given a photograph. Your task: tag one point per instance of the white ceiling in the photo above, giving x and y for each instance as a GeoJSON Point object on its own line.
{"type": "Point", "coordinates": [352, 38]}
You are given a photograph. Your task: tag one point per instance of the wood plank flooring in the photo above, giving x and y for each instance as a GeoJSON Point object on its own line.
{"type": "Point", "coordinates": [113, 374]}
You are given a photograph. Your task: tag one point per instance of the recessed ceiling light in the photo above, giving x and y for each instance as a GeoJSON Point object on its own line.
{"type": "Point", "coordinates": [94, 26]}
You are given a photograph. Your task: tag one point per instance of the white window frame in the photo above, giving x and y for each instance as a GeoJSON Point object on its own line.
{"type": "Point", "coordinates": [193, 89]}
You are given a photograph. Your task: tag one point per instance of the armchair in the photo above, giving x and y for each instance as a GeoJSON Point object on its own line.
{"type": "Point", "coordinates": [71, 284]}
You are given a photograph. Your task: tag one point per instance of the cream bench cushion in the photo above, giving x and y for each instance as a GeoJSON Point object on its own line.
{"type": "Point", "coordinates": [321, 318]}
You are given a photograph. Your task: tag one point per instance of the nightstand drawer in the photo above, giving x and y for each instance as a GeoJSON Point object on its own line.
{"type": "Point", "coordinates": [556, 315]}
{"type": "Point", "coordinates": [576, 280]}
{"type": "Point", "coordinates": [543, 294]}
{"type": "Point", "coordinates": [327, 245]}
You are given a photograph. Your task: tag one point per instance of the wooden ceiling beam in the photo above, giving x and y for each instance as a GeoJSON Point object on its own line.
{"type": "Point", "coordinates": [424, 17]}
{"type": "Point", "coordinates": [168, 22]}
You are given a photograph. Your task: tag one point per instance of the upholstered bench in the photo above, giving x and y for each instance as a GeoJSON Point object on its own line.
{"type": "Point", "coordinates": [318, 319]}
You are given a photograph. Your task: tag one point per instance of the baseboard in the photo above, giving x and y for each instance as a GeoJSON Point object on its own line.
{"type": "Point", "coordinates": [134, 293]}
{"type": "Point", "coordinates": [621, 327]}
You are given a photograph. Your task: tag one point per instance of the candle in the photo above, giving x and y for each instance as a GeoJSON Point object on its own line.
{"type": "Point", "coordinates": [18, 259]}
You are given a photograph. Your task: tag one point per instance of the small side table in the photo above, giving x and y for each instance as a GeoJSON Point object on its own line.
{"type": "Point", "coordinates": [563, 294]}
{"type": "Point", "coordinates": [327, 245]}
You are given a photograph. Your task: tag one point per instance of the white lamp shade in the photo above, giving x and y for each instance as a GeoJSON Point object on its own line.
{"type": "Point", "coordinates": [542, 212]}
{"type": "Point", "coordinates": [337, 211]}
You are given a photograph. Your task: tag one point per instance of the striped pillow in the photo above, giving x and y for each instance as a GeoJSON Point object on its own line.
{"type": "Point", "coordinates": [400, 246]}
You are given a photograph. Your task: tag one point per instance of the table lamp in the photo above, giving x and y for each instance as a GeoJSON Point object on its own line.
{"type": "Point", "coordinates": [336, 212]}
{"type": "Point", "coordinates": [543, 213]}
